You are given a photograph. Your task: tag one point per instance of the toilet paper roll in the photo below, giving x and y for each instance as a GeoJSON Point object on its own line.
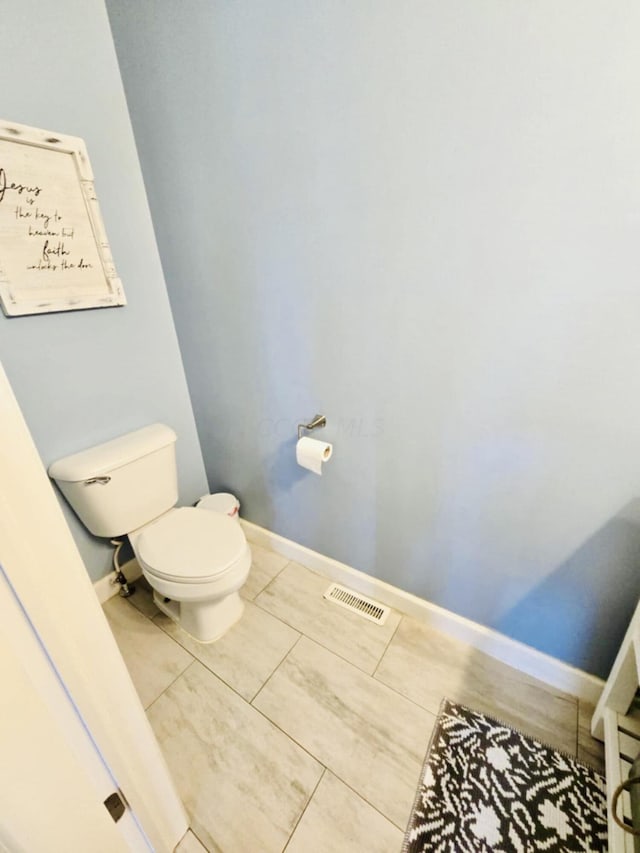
{"type": "Point", "coordinates": [311, 453]}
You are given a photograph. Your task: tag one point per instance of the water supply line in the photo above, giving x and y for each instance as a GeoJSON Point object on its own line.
{"type": "Point", "coordinates": [126, 589]}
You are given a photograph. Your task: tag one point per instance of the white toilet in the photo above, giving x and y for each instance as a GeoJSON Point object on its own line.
{"type": "Point", "coordinates": [196, 560]}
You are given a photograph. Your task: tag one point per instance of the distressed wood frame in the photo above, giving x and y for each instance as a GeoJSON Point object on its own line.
{"type": "Point", "coordinates": [61, 273]}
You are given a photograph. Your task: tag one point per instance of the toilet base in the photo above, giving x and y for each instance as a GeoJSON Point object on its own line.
{"type": "Point", "coordinates": [205, 621]}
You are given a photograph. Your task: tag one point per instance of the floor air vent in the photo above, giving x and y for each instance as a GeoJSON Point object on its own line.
{"type": "Point", "coordinates": [366, 607]}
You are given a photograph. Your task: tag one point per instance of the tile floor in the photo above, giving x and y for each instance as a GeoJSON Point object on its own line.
{"type": "Point", "coordinates": [305, 727]}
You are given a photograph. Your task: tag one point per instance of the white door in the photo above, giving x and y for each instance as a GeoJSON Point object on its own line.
{"type": "Point", "coordinates": [53, 781]}
{"type": "Point", "coordinates": [72, 729]}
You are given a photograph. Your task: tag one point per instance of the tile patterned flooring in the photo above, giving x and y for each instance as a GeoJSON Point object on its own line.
{"type": "Point", "coordinates": [305, 727]}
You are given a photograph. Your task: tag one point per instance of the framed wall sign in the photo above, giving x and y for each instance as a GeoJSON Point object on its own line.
{"type": "Point", "coordinates": [54, 253]}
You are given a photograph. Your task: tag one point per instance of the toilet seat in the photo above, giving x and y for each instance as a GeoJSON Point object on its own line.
{"type": "Point", "coordinates": [191, 546]}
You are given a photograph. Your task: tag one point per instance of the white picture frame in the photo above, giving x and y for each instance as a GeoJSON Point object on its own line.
{"type": "Point", "coordinates": [54, 252]}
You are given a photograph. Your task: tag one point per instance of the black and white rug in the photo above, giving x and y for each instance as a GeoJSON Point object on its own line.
{"type": "Point", "coordinates": [486, 788]}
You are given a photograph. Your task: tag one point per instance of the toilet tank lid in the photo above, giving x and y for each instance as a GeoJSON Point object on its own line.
{"type": "Point", "coordinates": [99, 460]}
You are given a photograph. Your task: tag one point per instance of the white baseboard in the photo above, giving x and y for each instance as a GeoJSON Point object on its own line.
{"type": "Point", "coordinates": [550, 670]}
{"type": "Point", "coordinates": [106, 589]}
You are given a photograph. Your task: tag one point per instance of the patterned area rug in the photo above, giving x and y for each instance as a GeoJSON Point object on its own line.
{"type": "Point", "coordinates": [486, 787]}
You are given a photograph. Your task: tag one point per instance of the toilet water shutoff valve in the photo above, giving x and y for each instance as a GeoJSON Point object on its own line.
{"type": "Point", "coordinates": [126, 588]}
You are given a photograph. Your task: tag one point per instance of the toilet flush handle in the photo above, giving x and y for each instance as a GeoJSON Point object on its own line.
{"type": "Point", "coordinates": [102, 480]}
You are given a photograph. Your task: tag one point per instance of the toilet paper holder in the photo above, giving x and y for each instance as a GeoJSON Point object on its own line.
{"type": "Point", "coordinates": [318, 422]}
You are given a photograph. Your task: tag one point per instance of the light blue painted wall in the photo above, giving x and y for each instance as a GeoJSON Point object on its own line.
{"type": "Point", "coordinates": [84, 377]}
{"type": "Point", "coordinates": [420, 218]}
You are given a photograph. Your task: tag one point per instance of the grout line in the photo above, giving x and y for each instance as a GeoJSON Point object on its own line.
{"type": "Point", "coordinates": [277, 727]}
{"type": "Point", "coordinates": [408, 698]}
{"type": "Point", "coordinates": [481, 638]}
{"type": "Point", "coordinates": [277, 666]}
{"type": "Point", "coordinates": [386, 648]}
{"type": "Point", "coordinates": [307, 804]}
{"type": "Point", "coordinates": [271, 580]}
{"type": "Point", "coordinates": [215, 674]}
{"type": "Point", "coordinates": [170, 685]}
{"type": "Point", "coordinates": [377, 681]}
{"type": "Point", "coordinates": [300, 633]}
{"type": "Point", "coordinates": [129, 599]}
{"type": "Point", "coordinates": [273, 616]}
{"type": "Point", "coordinates": [326, 767]}
{"type": "Point", "coordinates": [288, 736]}
{"type": "Point", "coordinates": [372, 675]}
{"type": "Point", "coordinates": [346, 660]}
{"type": "Point", "coordinates": [264, 684]}
{"type": "Point", "coordinates": [158, 625]}
{"type": "Point", "coordinates": [193, 832]}
{"type": "Point", "coordinates": [304, 748]}
{"type": "Point", "coordinates": [289, 625]}
{"type": "Point", "coordinates": [319, 642]}
{"type": "Point", "coordinates": [219, 678]}
{"type": "Point", "coordinates": [365, 800]}
{"type": "Point", "coordinates": [208, 666]}
{"type": "Point", "coordinates": [253, 707]}
{"type": "Point", "coordinates": [424, 708]}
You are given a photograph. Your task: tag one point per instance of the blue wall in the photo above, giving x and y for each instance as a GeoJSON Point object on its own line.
{"type": "Point", "coordinates": [421, 219]}
{"type": "Point", "coordinates": [84, 377]}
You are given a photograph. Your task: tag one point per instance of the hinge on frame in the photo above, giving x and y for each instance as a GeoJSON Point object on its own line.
{"type": "Point", "coordinates": [115, 805]}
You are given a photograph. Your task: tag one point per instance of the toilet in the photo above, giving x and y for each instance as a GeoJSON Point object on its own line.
{"type": "Point", "coordinates": [195, 559]}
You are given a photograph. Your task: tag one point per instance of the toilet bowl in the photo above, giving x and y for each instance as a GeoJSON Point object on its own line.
{"type": "Point", "coordinates": [196, 561]}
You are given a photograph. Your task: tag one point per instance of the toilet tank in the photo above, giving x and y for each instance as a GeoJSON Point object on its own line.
{"type": "Point", "coordinates": [122, 484]}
